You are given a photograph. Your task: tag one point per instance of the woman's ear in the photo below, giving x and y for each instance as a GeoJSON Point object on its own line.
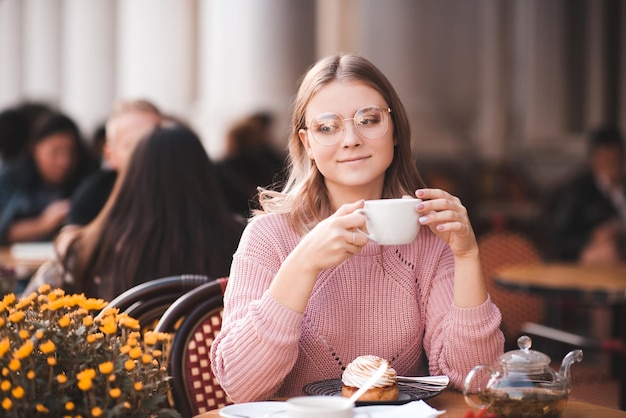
{"type": "Point", "coordinates": [304, 138]}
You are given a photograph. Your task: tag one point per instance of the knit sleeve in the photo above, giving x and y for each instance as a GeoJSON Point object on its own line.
{"type": "Point", "coordinates": [258, 344]}
{"type": "Point", "coordinates": [457, 339]}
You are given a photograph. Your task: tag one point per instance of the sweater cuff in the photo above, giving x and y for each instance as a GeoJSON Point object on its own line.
{"type": "Point", "coordinates": [477, 314]}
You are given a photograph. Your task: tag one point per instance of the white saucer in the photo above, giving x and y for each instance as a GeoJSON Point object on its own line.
{"type": "Point", "coordinates": [254, 409]}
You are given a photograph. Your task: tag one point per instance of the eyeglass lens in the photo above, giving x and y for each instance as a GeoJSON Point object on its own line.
{"type": "Point", "coordinates": [370, 122]}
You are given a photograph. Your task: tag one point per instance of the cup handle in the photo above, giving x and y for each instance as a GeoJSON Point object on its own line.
{"type": "Point", "coordinates": [360, 231]}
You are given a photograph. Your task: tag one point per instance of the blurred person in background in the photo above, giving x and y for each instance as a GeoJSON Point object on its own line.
{"type": "Point", "coordinates": [13, 136]}
{"type": "Point", "coordinates": [589, 217]}
{"type": "Point", "coordinates": [165, 217]}
{"type": "Point", "coordinates": [34, 192]}
{"type": "Point", "coordinates": [251, 161]}
{"type": "Point", "coordinates": [129, 121]}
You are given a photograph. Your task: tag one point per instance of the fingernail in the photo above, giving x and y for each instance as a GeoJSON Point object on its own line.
{"type": "Point", "coordinates": [420, 206]}
{"type": "Point", "coordinates": [440, 227]}
{"type": "Point", "coordinates": [423, 219]}
{"type": "Point", "coordinates": [420, 193]}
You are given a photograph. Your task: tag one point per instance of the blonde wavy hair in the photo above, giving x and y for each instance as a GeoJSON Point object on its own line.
{"type": "Point", "coordinates": [304, 198]}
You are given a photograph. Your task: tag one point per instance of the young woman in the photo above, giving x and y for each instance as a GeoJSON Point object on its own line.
{"type": "Point", "coordinates": [307, 294]}
{"type": "Point", "coordinates": [34, 192]}
{"type": "Point", "coordinates": [164, 217]}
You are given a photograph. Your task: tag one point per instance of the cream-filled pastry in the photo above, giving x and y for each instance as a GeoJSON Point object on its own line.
{"type": "Point", "coordinates": [360, 370]}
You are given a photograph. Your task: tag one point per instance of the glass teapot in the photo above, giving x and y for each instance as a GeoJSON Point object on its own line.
{"type": "Point", "coordinates": [523, 385]}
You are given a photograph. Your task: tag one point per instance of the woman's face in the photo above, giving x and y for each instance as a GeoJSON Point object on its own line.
{"type": "Point", "coordinates": [55, 157]}
{"type": "Point", "coordinates": [354, 167]}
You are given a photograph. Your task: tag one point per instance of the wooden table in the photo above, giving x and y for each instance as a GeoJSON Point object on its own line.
{"type": "Point", "coordinates": [454, 404]}
{"type": "Point", "coordinates": [603, 285]}
{"type": "Point", "coordinates": [24, 259]}
{"type": "Point", "coordinates": [595, 284]}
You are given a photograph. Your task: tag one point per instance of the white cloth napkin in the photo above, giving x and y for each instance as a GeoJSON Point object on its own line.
{"type": "Point", "coordinates": [415, 409]}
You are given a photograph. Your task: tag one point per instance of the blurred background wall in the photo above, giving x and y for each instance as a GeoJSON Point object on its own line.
{"type": "Point", "coordinates": [491, 86]}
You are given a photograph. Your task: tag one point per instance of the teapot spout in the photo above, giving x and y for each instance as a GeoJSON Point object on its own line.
{"type": "Point", "coordinates": [564, 373]}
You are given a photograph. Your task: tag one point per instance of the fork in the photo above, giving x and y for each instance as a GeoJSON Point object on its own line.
{"type": "Point", "coordinates": [431, 381]}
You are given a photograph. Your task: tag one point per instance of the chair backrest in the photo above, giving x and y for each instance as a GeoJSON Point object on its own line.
{"type": "Point", "coordinates": [504, 247]}
{"type": "Point", "coordinates": [195, 318]}
{"type": "Point", "coordinates": [147, 301]}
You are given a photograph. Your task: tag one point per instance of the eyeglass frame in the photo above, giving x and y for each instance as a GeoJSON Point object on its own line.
{"type": "Point", "coordinates": [386, 110]}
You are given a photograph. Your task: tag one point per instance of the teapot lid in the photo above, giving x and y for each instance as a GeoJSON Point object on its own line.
{"type": "Point", "coordinates": [524, 357]}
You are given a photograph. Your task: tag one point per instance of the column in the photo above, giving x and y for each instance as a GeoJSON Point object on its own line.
{"type": "Point", "coordinates": [156, 52]}
{"type": "Point", "coordinates": [492, 103]}
{"type": "Point", "coordinates": [41, 66]}
{"type": "Point", "coordinates": [88, 61]}
{"type": "Point", "coordinates": [252, 54]}
{"type": "Point", "coordinates": [10, 50]}
{"type": "Point", "coordinates": [595, 103]}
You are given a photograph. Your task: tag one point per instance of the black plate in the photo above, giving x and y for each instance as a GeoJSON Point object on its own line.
{"type": "Point", "coordinates": [332, 387]}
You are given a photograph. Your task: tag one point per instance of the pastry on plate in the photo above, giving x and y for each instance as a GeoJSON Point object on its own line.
{"type": "Point", "coordinates": [360, 370]}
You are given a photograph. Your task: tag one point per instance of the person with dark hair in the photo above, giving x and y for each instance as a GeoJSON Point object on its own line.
{"type": "Point", "coordinates": [251, 161]}
{"type": "Point", "coordinates": [589, 216]}
{"type": "Point", "coordinates": [308, 293]}
{"type": "Point", "coordinates": [34, 192]}
{"type": "Point", "coordinates": [13, 136]}
{"type": "Point", "coordinates": [165, 217]}
{"type": "Point", "coordinates": [129, 121]}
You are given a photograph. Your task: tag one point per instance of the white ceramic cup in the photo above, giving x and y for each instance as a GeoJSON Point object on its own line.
{"type": "Point", "coordinates": [391, 221]}
{"type": "Point", "coordinates": [321, 406]}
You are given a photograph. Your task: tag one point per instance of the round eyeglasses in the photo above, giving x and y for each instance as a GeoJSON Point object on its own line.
{"type": "Point", "coordinates": [371, 122]}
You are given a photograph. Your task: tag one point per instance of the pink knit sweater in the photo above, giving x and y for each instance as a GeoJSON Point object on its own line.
{"type": "Point", "coordinates": [391, 301]}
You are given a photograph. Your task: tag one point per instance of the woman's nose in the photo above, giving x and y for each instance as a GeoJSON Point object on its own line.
{"type": "Point", "coordinates": [351, 136]}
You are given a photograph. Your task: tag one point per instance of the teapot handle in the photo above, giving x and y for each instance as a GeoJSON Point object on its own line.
{"type": "Point", "coordinates": [467, 385]}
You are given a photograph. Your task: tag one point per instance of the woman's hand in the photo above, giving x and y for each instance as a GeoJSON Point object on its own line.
{"type": "Point", "coordinates": [447, 218]}
{"type": "Point", "coordinates": [331, 242]}
{"type": "Point", "coordinates": [334, 239]}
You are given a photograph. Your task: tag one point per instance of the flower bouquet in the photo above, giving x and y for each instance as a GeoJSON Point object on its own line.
{"type": "Point", "coordinates": [57, 360]}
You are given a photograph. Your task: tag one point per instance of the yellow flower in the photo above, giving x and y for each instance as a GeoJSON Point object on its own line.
{"type": "Point", "coordinates": [24, 351]}
{"type": "Point", "coordinates": [69, 405]}
{"type": "Point", "coordinates": [91, 338]}
{"type": "Point", "coordinates": [65, 321]}
{"type": "Point", "coordinates": [135, 353]}
{"type": "Point", "coordinates": [138, 386]}
{"type": "Point", "coordinates": [88, 321]}
{"type": "Point", "coordinates": [30, 375]}
{"type": "Point", "coordinates": [16, 317]}
{"type": "Point", "coordinates": [129, 365]}
{"type": "Point", "coordinates": [2, 321]}
{"type": "Point", "coordinates": [9, 299]}
{"type": "Point", "coordinates": [86, 374]}
{"type": "Point", "coordinates": [41, 408]}
{"type": "Point", "coordinates": [5, 385]}
{"type": "Point", "coordinates": [108, 325]}
{"type": "Point", "coordinates": [92, 304]}
{"type": "Point", "coordinates": [15, 364]}
{"type": "Point", "coordinates": [115, 393]}
{"type": "Point", "coordinates": [52, 361]}
{"type": "Point", "coordinates": [7, 404]}
{"type": "Point", "coordinates": [128, 322]}
{"type": "Point", "coordinates": [106, 368]}
{"type": "Point", "coordinates": [85, 384]}
{"type": "Point", "coordinates": [18, 392]}
{"type": "Point", "coordinates": [146, 359]}
{"type": "Point", "coordinates": [39, 334]}
{"type": "Point", "coordinates": [150, 338]}
{"type": "Point", "coordinates": [61, 378]}
{"type": "Point", "coordinates": [96, 411]}
{"type": "Point", "coordinates": [47, 347]}
{"type": "Point", "coordinates": [44, 288]}
{"type": "Point", "coordinates": [23, 334]}
{"type": "Point", "coordinates": [5, 345]}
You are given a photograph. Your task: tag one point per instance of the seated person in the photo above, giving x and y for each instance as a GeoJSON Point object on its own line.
{"type": "Point", "coordinates": [129, 121]}
{"type": "Point", "coordinates": [589, 218]}
{"type": "Point", "coordinates": [164, 217]}
{"type": "Point", "coordinates": [35, 191]}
